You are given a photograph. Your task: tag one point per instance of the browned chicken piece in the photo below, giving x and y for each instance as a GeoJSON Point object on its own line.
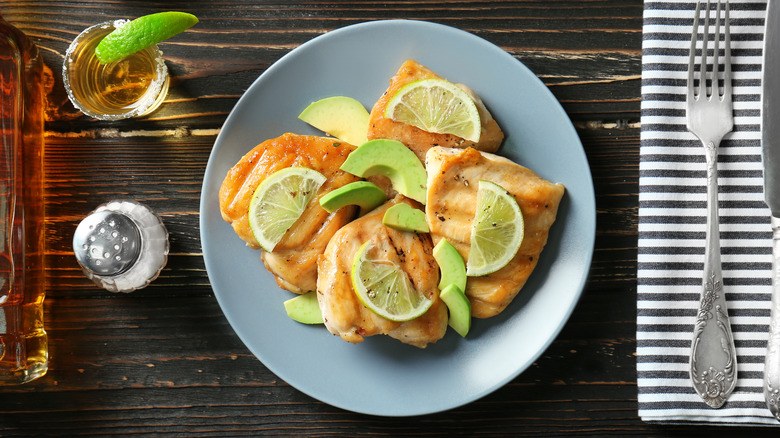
{"type": "Point", "coordinates": [342, 311]}
{"type": "Point", "coordinates": [294, 259]}
{"type": "Point", "coordinates": [416, 139]}
{"type": "Point", "coordinates": [453, 179]}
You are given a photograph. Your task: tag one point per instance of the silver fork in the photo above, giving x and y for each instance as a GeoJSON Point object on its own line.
{"type": "Point", "coordinates": [713, 362]}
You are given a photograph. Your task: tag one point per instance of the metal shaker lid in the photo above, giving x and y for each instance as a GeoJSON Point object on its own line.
{"type": "Point", "coordinates": [107, 243]}
{"type": "Point", "coordinates": [121, 246]}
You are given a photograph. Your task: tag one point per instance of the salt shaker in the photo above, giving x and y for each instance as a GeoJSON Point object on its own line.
{"type": "Point", "coordinates": [121, 246]}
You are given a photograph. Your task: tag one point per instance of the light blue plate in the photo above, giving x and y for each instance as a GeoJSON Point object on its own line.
{"type": "Point", "coordinates": [382, 376]}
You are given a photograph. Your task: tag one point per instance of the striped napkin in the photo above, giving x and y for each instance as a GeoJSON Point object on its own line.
{"type": "Point", "coordinates": [672, 221]}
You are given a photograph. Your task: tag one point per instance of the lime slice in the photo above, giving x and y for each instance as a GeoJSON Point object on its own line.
{"type": "Point", "coordinates": [497, 230]}
{"type": "Point", "coordinates": [141, 33]}
{"type": "Point", "coordinates": [279, 201]}
{"type": "Point", "coordinates": [438, 106]}
{"type": "Point", "coordinates": [383, 287]}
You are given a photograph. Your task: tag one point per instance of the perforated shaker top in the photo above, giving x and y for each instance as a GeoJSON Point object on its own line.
{"type": "Point", "coordinates": [107, 243]}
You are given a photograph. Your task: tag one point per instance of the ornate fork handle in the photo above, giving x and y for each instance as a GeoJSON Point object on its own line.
{"type": "Point", "coordinates": [713, 355]}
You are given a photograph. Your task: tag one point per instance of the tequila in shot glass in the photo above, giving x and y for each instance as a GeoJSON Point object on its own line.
{"type": "Point", "coordinates": [130, 87]}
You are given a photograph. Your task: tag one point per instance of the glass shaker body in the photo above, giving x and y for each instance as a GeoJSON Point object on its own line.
{"type": "Point", "coordinates": [23, 341]}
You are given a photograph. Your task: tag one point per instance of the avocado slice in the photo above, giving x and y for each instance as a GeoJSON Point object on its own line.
{"type": "Point", "coordinates": [342, 117]}
{"type": "Point", "coordinates": [364, 194]}
{"type": "Point", "coordinates": [392, 159]}
{"type": "Point", "coordinates": [304, 308]}
{"type": "Point", "coordinates": [404, 217]}
{"type": "Point", "coordinates": [451, 265]}
{"type": "Point", "coordinates": [460, 309]}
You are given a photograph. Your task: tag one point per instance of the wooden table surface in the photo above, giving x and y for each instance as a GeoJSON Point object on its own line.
{"type": "Point", "coordinates": [164, 361]}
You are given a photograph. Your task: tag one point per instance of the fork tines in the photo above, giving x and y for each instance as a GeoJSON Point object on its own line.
{"type": "Point", "coordinates": [708, 72]}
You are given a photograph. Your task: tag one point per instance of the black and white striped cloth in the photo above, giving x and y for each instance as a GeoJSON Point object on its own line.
{"type": "Point", "coordinates": [672, 221]}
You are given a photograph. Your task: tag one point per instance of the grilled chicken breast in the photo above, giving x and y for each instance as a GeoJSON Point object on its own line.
{"type": "Point", "coordinates": [416, 139]}
{"type": "Point", "coordinates": [453, 178]}
{"type": "Point", "coordinates": [294, 259]}
{"type": "Point", "coordinates": [342, 311]}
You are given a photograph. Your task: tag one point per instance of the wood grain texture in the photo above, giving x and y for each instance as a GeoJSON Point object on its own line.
{"type": "Point", "coordinates": [164, 361]}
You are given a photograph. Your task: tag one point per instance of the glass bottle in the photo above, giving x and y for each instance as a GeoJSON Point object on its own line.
{"type": "Point", "coordinates": [23, 342]}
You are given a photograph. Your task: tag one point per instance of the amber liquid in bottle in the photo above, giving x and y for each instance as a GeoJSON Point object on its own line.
{"type": "Point", "coordinates": [23, 342]}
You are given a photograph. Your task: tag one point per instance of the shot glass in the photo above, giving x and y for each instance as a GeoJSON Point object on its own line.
{"type": "Point", "coordinates": [131, 87]}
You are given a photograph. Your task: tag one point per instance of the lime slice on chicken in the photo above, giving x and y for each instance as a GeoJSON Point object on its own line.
{"type": "Point", "coordinates": [279, 201]}
{"type": "Point", "coordinates": [437, 106]}
{"type": "Point", "coordinates": [384, 288]}
{"type": "Point", "coordinates": [497, 230]}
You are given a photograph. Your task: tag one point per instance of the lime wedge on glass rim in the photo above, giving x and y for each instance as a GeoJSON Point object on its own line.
{"type": "Point", "coordinates": [384, 288]}
{"type": "Point", "coordinates": [141, 33]}
{"type": "Point", "coordinates": [497, 231]}
{"type": "Point", "coordinates": [437, 106]}
{"type": "Point", "coordinates": [279, 201]}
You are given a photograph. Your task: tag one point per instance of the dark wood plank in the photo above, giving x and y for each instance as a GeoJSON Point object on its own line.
{"type": "Point", "coordinates": [588, 52]}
